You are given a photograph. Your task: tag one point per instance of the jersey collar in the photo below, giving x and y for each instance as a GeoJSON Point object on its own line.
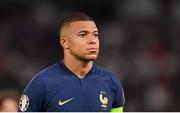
{"type": "Point", "coordinates": [63, 66]}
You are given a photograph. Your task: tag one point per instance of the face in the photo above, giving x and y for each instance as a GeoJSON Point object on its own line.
{"type": "Point", "coordinates": [83, 41]}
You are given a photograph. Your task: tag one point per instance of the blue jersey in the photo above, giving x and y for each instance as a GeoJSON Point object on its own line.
{"type": "Point", "coordinates": [57, 89]}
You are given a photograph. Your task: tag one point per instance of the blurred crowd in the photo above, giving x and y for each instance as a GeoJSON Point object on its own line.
{"type": "Point", "coordinates": [139, 42]}
{"type": "Point", "coordinates": [9, 100]}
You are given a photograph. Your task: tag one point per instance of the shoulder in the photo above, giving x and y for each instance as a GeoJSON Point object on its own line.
{"type": "Point", "coordinates": [46, 74]}
{"type": "Point", "coordinates": [106, 74]}
{"type": "Point", "coordinates": [49, 70]}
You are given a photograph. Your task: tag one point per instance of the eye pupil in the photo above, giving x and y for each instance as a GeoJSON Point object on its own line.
{"type": "Point", "coordinates": [96, 34]}
{"type": "Point", "coordinates": [82, 35]}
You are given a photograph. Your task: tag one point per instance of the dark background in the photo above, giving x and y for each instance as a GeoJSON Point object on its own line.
{"type": "Point", "coordinates": [139, 42]}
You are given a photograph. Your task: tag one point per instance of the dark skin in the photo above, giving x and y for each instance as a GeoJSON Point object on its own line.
{"type": "Point", "coordinates": [80, 42]}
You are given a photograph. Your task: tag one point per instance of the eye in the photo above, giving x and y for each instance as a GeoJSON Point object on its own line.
{"type": "Point", "coordinates": [96, 34]}
{"type": "Point", "coordinates": [82, 35]}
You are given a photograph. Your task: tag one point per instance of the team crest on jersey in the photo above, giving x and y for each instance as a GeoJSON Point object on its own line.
{"type": "Point", "coordinates": [104, 100]}
{"type": "Point", "coordinates": [24, 103]}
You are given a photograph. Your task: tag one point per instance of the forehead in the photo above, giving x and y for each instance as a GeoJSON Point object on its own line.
{"type": "Point", "coordinates": [83, 25]}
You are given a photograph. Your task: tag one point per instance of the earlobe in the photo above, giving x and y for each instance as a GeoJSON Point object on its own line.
{"type": "Point", "coordinates": [64, 43]}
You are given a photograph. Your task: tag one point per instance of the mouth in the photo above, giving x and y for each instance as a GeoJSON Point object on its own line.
{"type": "Point", "coordinates": [92, 50]}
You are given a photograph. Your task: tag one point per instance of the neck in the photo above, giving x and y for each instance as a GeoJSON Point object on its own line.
{"type": "Point", "coordinates": [78, 67]}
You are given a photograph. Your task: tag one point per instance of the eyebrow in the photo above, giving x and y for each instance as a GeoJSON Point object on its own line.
{"type": "Point", "coordinates": [87, 31]}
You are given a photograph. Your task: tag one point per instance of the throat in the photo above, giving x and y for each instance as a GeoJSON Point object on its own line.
{"type": "Point", "coordinates": [79, 69]}
{"type": "Point", "coordinates": [82, 74]}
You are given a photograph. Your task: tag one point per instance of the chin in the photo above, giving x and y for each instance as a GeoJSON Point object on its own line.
{"type": "Point", "coordinates": [91, 57]}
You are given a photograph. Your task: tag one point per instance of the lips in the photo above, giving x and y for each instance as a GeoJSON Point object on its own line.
{"type": "Point", "coordinates": [92, 49]}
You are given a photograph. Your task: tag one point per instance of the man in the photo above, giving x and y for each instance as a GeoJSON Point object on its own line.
{"type": "Point", "coordinates": [75, 84]}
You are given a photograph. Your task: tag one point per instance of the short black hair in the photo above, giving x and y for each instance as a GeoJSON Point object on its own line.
{"type": "Point", "coordinates": [77, 16]}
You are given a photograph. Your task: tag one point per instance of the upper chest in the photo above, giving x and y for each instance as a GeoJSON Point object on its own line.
{"type": "Point", "coordinates": [72, 94]}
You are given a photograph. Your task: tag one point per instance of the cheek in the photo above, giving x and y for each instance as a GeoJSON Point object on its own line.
{"type": "Point", "coordinates": [77, 43]}
{"type": "Point", "coordinates": [76, 46]}
{"type": "Point", "coordinates": [97, 43]}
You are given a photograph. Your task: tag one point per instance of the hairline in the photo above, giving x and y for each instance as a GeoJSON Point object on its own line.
{"type": "Point", "coordinates": [68, 24]}
{"type": "Point", "coordinates": [74, 17]}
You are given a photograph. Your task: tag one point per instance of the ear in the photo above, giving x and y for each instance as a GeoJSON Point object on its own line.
{"type": "Point", "coordinates": [64, 42]}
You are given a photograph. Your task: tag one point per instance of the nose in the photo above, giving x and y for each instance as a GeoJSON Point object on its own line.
{"type": "Point", "coordinates": [93, 39]}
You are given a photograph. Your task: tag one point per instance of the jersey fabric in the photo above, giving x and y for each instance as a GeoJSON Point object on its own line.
{"type": "Point", "coordinates": [57, 89]}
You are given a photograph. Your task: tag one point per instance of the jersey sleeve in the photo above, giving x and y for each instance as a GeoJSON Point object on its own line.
{"type": "Point", "coordinates": [119, 99]}
{"type": "Point", "coordinates": [33, 96]}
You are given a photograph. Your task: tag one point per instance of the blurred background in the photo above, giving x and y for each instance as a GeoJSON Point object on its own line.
{"type": "Point", "coordinates": [139, 43]}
